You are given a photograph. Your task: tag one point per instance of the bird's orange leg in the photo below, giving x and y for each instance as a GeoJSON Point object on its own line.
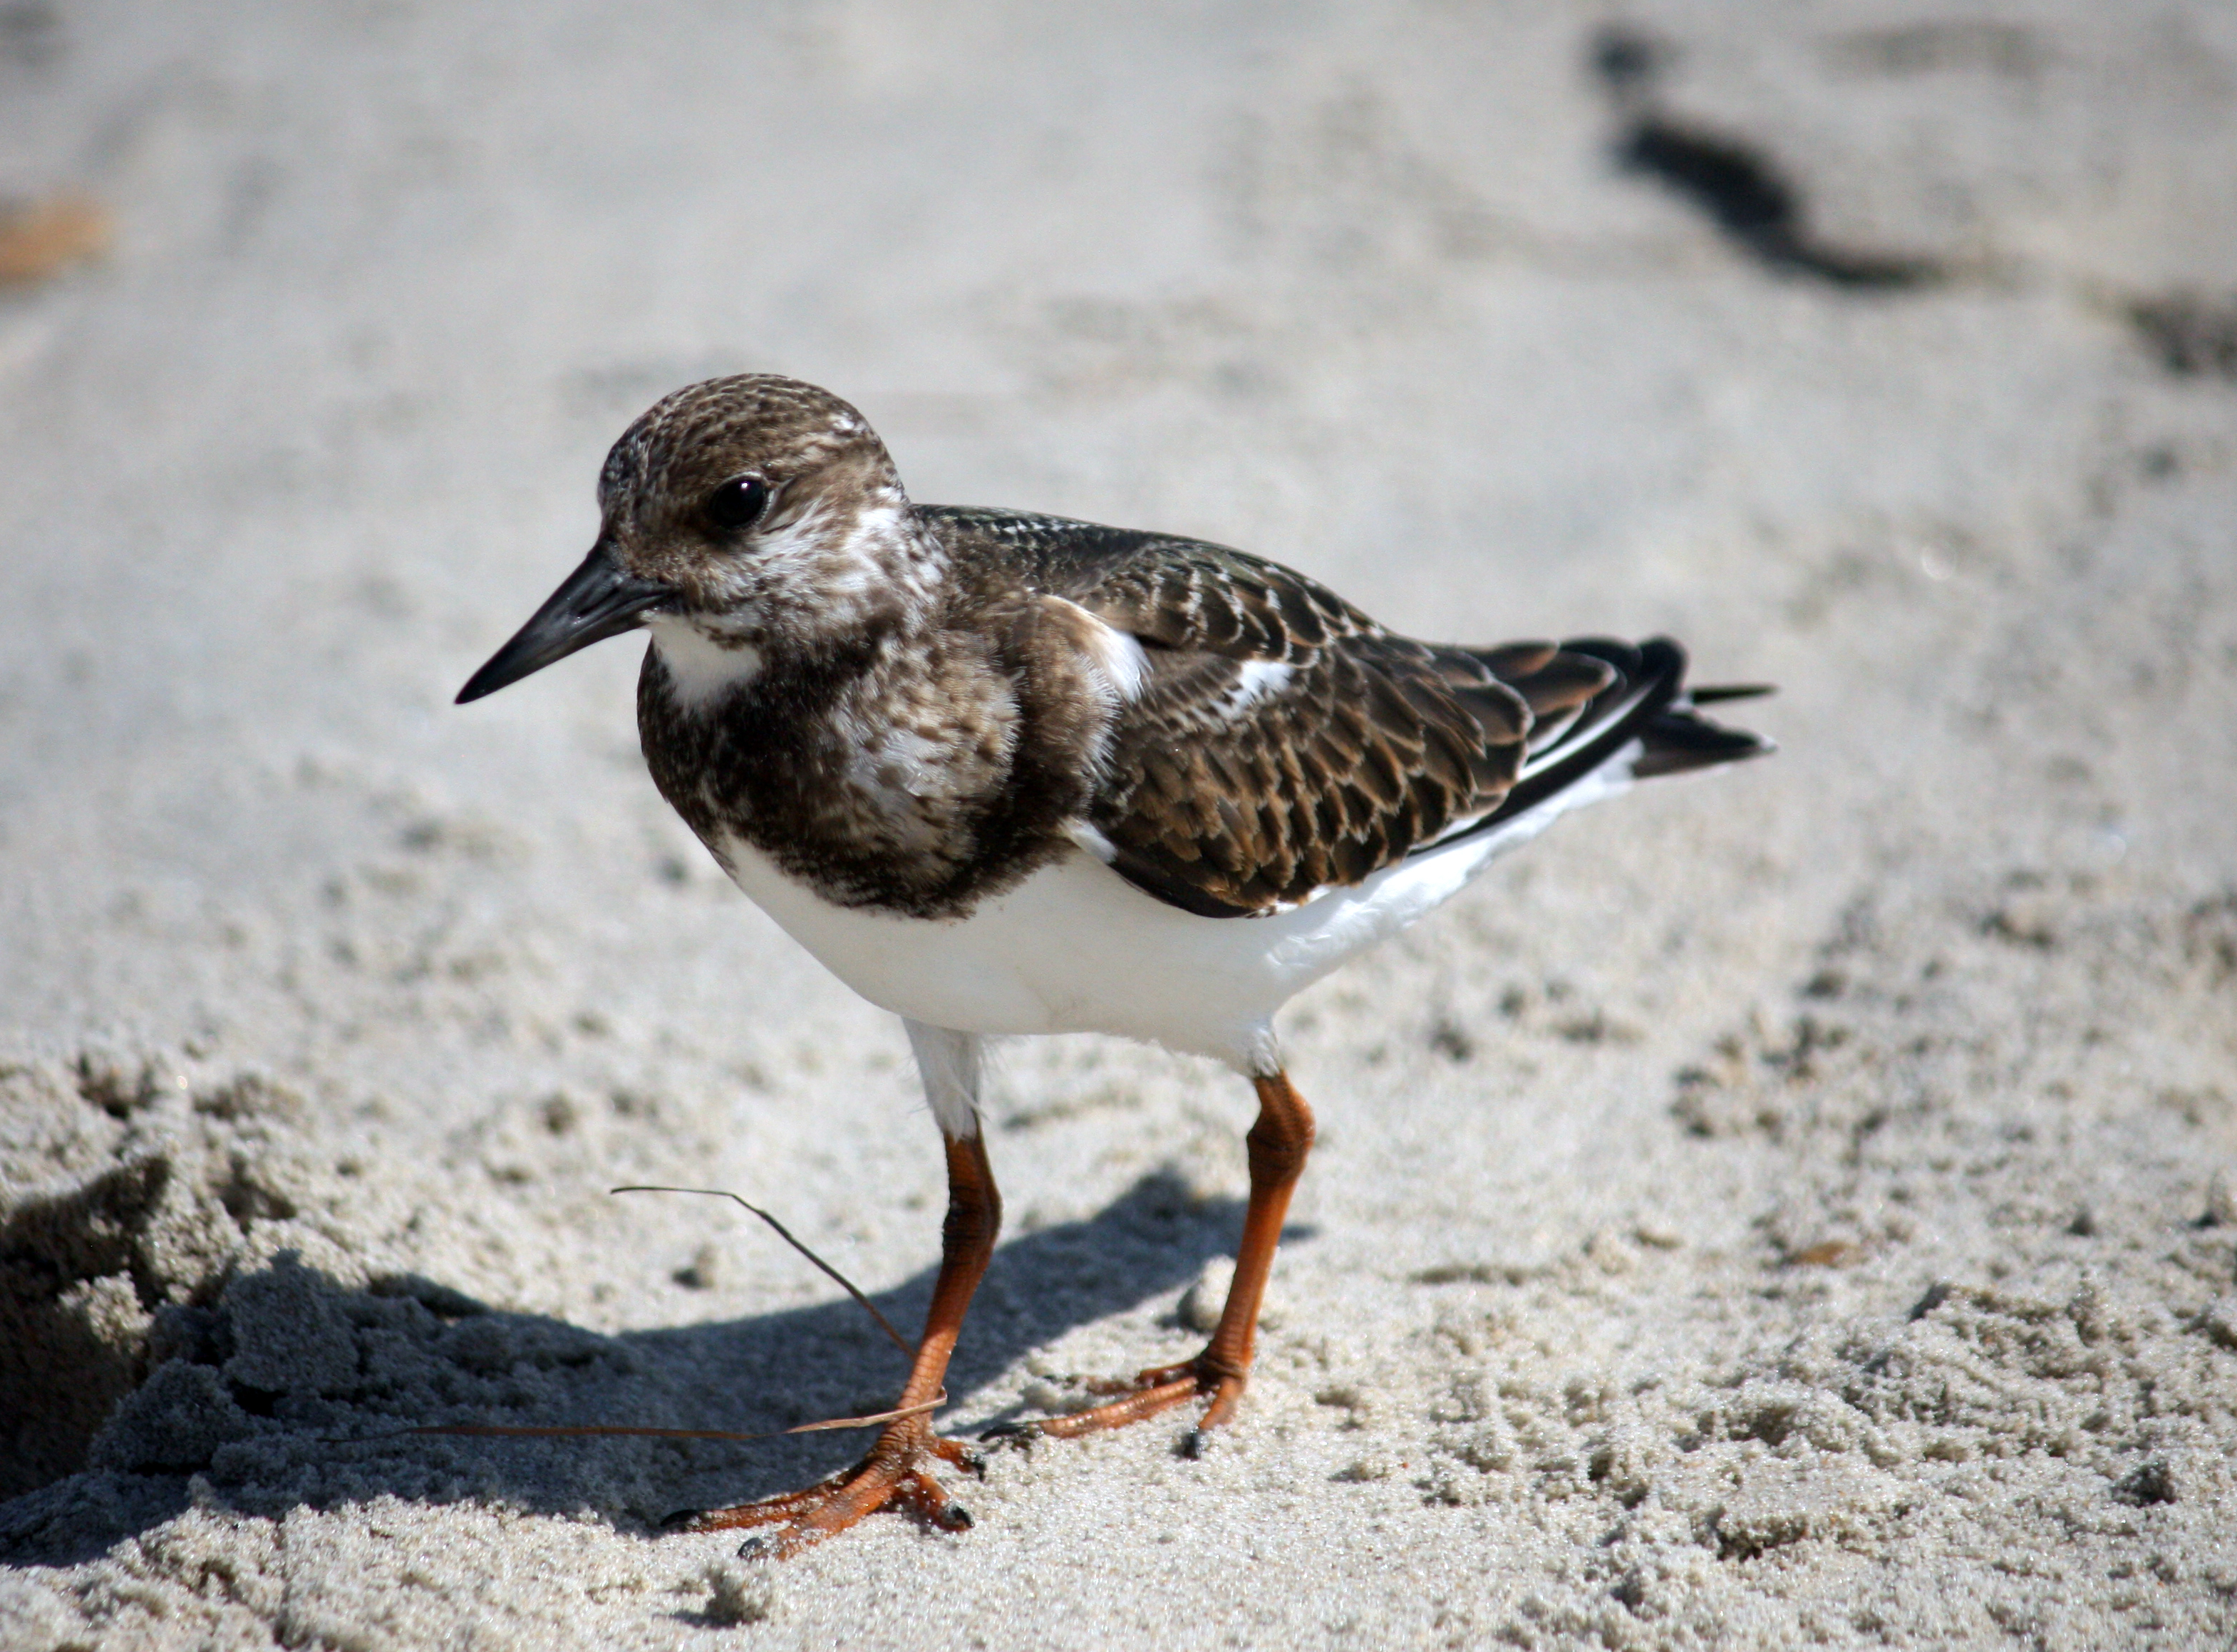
{"type": "Point", "coordinates": [896, 1472]}
{"type": "Point", "coordinates": [1278, 1145]}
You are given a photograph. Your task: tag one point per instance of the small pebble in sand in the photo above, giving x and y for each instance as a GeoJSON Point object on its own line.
{"type": "Point", "coordinates": [740, 1593]}
{"type": "Point", "coordinates": [43, 238]}
{"type": "Point", "coordinates": [2220, 1203]}
{"type": "Point", "coordinates": [704, 1270]}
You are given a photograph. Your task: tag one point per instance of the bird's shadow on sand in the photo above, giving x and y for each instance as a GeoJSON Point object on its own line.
{"type": "Point", "coordinates": [281, 1395]}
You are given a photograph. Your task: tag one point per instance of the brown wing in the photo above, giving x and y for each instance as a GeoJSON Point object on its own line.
{"type": "Point", "coordinates": [1285, 743]}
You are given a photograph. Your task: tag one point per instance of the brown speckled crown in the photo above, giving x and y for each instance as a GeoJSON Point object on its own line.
{"type": "Point", "coordinates": [689, 439]}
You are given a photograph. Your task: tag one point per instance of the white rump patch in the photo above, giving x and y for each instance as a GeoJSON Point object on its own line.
{"type": "Point", "coordinates": [701, 669]}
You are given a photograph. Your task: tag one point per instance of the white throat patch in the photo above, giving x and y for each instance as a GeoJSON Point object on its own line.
{"type": "Point", "coordinates": [701, 669]}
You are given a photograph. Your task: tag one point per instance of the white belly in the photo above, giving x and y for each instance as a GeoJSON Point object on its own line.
{"type": "Point", "coordinates": [1076, 948]}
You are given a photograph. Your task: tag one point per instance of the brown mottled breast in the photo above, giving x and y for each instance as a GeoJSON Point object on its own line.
{"type": "Point", "coordinates": [914, 775]}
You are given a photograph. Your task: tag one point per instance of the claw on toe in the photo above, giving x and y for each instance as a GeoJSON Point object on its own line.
{"type": "Point", "coordinates": [885, 1479]}
{"type": "Point", "coordinates": [957, 1454]}
{"type": "Point", "coordinates": [1017, 1435]}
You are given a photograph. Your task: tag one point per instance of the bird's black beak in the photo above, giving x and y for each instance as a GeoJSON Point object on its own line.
{"type": "Point", "coordinates": [599, 599]}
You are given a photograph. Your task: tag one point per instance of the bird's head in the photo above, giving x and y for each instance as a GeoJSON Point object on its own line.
{"type": "Point", "coordinates": [746, 515]}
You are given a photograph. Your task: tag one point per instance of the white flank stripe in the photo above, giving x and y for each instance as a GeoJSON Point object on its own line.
{"type": "Point", "coordinates": [1091, 840]}
{"type": "Point", "coordinates": [1113, 655]}
{"type": "Point", "coordinates": [1256, 680]}
{"type": "Point", "coordinates": [1120, 658]}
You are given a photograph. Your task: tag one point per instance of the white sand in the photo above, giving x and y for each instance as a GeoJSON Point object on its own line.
{"type": "Point", "coordinates": [1775, 1210]}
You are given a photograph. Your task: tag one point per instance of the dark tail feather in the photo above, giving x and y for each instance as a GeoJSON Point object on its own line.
{"type": "Point", "coordinates": [1647, 702]}
{"type": "Point", "coordinates": [1647, 681]}
{"type": "Point", "coordinates": [1679, 741]}
{"type": "Point", "coordinates": [1709, 696]}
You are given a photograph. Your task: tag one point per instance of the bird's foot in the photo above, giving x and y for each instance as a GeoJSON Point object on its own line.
{"type": "Point", "coordinates": [1150, 1393]}
{"type": "Point", "coordinates": [896, 1474]}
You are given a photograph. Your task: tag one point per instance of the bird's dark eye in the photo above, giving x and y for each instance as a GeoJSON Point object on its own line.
{"type": "Point", "coordinates": [737, 503]}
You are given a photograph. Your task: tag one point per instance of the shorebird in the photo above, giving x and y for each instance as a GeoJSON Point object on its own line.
{"type": "Point", "coordinates": [1008, 773]}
